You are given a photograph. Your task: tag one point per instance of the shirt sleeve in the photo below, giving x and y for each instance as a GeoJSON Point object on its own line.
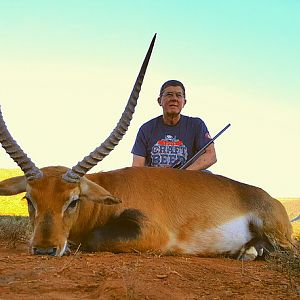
{"type": "Point", "coordinates": [202, 134]}
{"type": "Point", "coordinates": [140, 144]}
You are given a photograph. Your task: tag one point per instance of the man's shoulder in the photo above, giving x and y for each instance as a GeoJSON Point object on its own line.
{"type": "Point", "coordinates": [151, 123]}
{"type": "Point", "coordinates": [192, 120]}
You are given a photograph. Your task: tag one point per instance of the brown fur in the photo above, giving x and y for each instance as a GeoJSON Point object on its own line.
{"type": "Point", "coordinates": [170, 200]}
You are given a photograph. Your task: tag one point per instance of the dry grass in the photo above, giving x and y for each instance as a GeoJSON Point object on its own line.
{"type": "Point", "coordinates": [292, 206]}
{"type": "Point", "coordinates": [285, 261]}
{"type": "Point", "coordinates": [14, 229]}
{"type": "Point", "coordinates": [14, 221]}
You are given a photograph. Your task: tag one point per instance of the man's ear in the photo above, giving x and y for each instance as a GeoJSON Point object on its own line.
{"type": "Point", "coordinates": [91, 191]}
{"type": "Point", "coordinates": [159, 101]}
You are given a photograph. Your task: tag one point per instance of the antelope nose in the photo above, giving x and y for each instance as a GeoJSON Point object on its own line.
{"type": "Point", "coordinates": [45, 251]}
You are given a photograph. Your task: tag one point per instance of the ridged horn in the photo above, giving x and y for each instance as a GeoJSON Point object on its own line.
{"type": "Point", "coordinates": [16, 153]}
{"type": "Point", "coordinates": [117, 134]}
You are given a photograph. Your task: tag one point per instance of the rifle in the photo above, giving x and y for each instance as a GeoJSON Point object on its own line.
{"type": "Point", "coordinates": [200, 152]}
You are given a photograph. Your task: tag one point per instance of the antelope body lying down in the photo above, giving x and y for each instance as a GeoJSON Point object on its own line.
{"type": "Point", "coordinates": [162, 210]}
{"type": "Point", "coordinates": [156, 209]}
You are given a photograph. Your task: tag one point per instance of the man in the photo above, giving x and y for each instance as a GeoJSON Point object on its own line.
{"type": "Point", "coordinates": [172, 137]}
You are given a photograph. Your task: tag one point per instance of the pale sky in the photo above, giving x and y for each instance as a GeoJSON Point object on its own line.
{"type": "Point", "coordinates": [67, 68]}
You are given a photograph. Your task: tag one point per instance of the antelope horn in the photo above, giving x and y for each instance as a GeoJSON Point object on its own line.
{"type": "Point", "coordinates": [117, 134]}
{"type": "Point", "coordinates": [16, 153]}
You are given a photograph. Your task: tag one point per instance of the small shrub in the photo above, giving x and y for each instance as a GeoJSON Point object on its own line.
{"type": "Point", "coordinates": [14, 229]}
{"type": "Point", "coordinates": [285, 261]}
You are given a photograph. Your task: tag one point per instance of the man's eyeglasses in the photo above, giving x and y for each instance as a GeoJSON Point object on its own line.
{"type": "Point", "coordinates": [170, 95]}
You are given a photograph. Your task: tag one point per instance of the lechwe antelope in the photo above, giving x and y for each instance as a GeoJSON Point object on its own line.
{"type": "Point", "coordinates": [168, 211]}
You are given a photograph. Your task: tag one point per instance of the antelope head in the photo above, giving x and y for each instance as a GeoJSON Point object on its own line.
{"type": "Point", "coordinates": [55, 194]}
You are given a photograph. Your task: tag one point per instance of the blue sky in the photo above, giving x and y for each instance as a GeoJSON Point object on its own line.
{"type": "Point", "coordinates": [67, 68]}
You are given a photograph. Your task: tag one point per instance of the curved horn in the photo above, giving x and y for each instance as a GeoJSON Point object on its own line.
{"type": "Point", "coordinates": [16, 153]}
{"type": "Point", "coordinates": [117, 134]}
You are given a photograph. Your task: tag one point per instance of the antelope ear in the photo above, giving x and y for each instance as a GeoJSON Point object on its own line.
{"type": "Point", "coordinates": [13, 186]}
{"type": "Point", "coordinates": [94, 192]}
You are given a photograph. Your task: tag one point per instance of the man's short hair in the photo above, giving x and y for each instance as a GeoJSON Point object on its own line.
{"type": "Point", "coordinates": [172, 82]}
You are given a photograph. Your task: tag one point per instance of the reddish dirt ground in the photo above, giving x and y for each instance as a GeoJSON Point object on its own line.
{"type": "Point", "coordinates": [138, 276]}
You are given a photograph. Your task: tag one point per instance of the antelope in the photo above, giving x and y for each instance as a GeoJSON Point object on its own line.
{"type": "Point", "coordinates": [165, 211]}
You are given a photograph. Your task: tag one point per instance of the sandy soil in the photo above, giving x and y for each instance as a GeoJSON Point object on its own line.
{"type": "Point", "coordinates": [138, 276]}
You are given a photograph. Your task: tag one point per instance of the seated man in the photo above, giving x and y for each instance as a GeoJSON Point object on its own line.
{"type": "Point", "coordinates": [173, 137]}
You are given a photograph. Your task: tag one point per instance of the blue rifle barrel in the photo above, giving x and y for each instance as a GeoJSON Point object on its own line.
{"type": "Point", "coordinates": [200, 152]}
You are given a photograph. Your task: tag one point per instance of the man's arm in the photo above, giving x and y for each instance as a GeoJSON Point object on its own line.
{"type": "Point", "coordinates": [138, 161]}
{"type": "Point", "coordinates": [206, 160]}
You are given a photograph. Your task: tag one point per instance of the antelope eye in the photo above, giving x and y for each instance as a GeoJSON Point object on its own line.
{"type": "Point", "coordinates": [73, 204]}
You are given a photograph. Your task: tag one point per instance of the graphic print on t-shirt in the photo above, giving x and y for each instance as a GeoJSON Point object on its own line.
{"type": "Point", "coordinates": [166, 151]}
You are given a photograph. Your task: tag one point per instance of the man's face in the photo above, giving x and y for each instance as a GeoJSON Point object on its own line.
{"type": "Point", "coordinates": [172, 100]}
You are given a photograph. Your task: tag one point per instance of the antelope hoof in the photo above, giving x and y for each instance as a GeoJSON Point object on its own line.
{"type": "Point", "coordinates": [249, 254]}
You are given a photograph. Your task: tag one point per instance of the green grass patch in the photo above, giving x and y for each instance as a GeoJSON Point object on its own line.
{"type": "Point", "coordinates": [12, 205]}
